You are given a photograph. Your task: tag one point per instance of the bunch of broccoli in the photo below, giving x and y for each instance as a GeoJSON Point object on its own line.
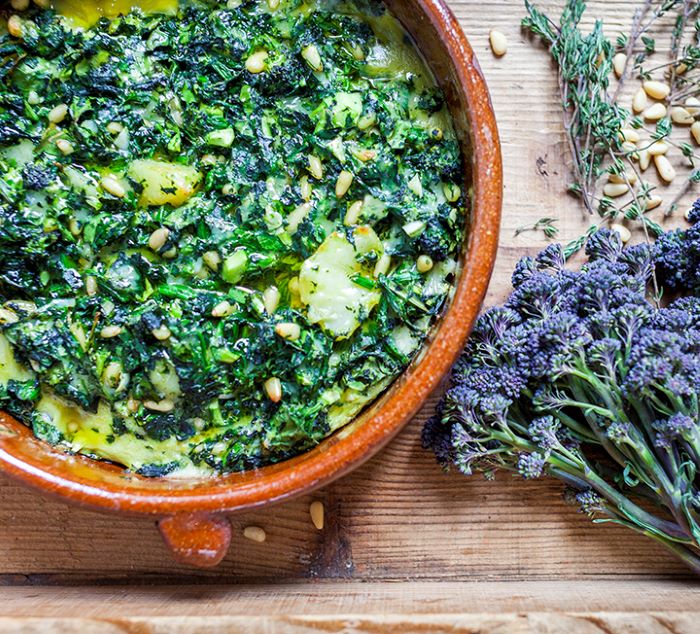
{"type": "Point", "coordinates": [593, 377]}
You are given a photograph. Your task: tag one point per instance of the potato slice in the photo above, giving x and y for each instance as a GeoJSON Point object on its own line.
{"type": "Point", "coordinates": [328, 282]}
{"type": "Point", "coordinates": [163, 182]}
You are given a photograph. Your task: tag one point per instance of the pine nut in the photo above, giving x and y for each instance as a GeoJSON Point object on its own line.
{"type": "Point", "coordinates": [655, 113]}
{"type": "Point", "coordinates": [222, 309]}
{"type": "Point", "coordinates": [424, 263]}
{"type": "Point", "coordinates": [695, 131]}
{"type": "Point", "coordinates": [628, 147]}
{"type": "Point", "coordinates": [681, 116]}
{"type": "Point", "coordinates": [273, 387]}
{"type": "Point", "coordinates": [624, 232]}
{"type": "Point", "coordinates": [315, 167]}
{"type": "Point", "coordinates": [273, 4]}
{"type": "Point", "coordinates": [499, 43]}
{"type": "Point", "coordinates": [644, 159]}
{"type": "Point", "coordinates": [170, 254]}
{"type": "Point", "coordinates": [664, 168]}
{"type": "Point", "coordinates": [316, 510]}
{"type": "Point", "coordinates": [271, 299]}
{"type": "Point", "coordinates": [305, 188]}
{"type": "Point", "coordinates": [382, 266]}
{"type": "Point", "coordinates": [33, 98]}
{"type": "Point", "coordinates": [20, 5]}
{"type": "Point", "coordinates": [109, 332]}
{"type": "Point", "coordinates": [43, 4]}
{"type": "Point", "coordinates": [162, 334]}
{"type": "Point", "coordinates": [14, 26]}
{"type": "Point", "coordinates": [74, 227]}
{"type": "Point", "coordinates": [343, 183]}
{"type": "Point", "coordinates": [658, 148]}
{"type": "Point", "coordinates": [254, 534]}
{"type": "Point", "coordinates": [257, 62]}
{"type": "Point", "coordinates": [652, 202]}
{"type": "Point", "coordinates": [656, 89]}
{"type": "Point", "coordinates": [293, 286]}
{"type": "Point", "coordinates": [619, 63]}
{"type": "Point", "coordinates": [313, 57]}
{"type": "Point", "coordinates": [614, 190]}
{"type": "Point", "coordinates": [630, 135]}
{"type": "Point", "coordinates": [288, 331]}
{"type": "Point", "coordinates": [164, 406]}
{"type": "Point", "coordinates": [112, 186]}
{"type": "Point", "coordinates": [65, 147]}
{"type": "Point", "coordinates": [627, 177]}
{"type": "Point", "coordinates": [58, 114]}
{"type": "Point", "coordinates": [352, 216]}
{"type": "Point", "coordinates": [692, 105]}
{"type": "Point", "coordinates": [114, 127]}
{"type": "Point", "coordinates": [158, 238]}
{"type": "Point", "coordinates": [365, 155]}
{"type": "Point", "coordinates": [640, 101]}
{"type": "Point", "coordinates": [212, 260]}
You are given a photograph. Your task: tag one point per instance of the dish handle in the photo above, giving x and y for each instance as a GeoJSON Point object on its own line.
{"type": "Point", "coordinates": [197, 539]}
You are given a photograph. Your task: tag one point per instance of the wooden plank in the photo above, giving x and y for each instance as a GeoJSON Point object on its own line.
{"type": "Point", "coordinates": [578, 607]}
{"type": "Point", "coordinates": [399, 517]}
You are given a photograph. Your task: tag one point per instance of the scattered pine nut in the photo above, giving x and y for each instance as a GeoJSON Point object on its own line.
{"type": "Point", "coordinates": [695, 131]}
{"type": "Point", "coordinates": [664, 168]}
{"type": "Point", "coordinates": [288, 331]}
{"type": "Point", "coordinates": [629, 147]}
{"type": "Point", "coordinates": [90, 286]}
{"type": "Point", "coordinates": [352, 216]}
{"type": "Point", "coordinates": [499, 43]}
{"type": "Point", "coordinates": [619, 63]}
{"type": "Point", "coordinates": [628, 134]}
{"type": "Point", "coordinates": [640, 101]}
{"type": "Point", "coordinates": [658, 148]}
{"type": "Point", "coordinates": [305, 188]}
{"type": "Point", "coordinates": [644, 159]}
{"type": "Point", "coordinates": [655, 112]}
{"type": "Point", "coordinates": [656, 89]}
{"type": "Point", "coordinates": [8, 316]}
{"type": "Point", "coordinates": [222, 309]}
{"type": "Point", "coordinates": [613, 190]}
{"type": "Point", "coordinates": [681, 116]}
{"type": "Point", "coordinates": [343, 183]}
{"type": "Point", "coordinates": [271, 299]}
{"type": "Point", "coordinates": [424, 263]}
{"type": "Point", "coordinates": [273, 387]}
{"type": "Point", "coordinates": [158, 238]}
{"type": "Point", "coordinates": [627, 177]}
{"type": "Point", "coordinates": [65, 147]}
{"type": "Point", "coordinates": [257, 62]}
{"type": "Point", "coordinates": [212, 260]}
{"type": "Point", "coordinates": [624, 232]}
{"type": "Point", "coordinates": [162, 333]}
{"type": "Point", "coordinates": [315, 167]}
{"type": "Point", "coordinates": [652, 202]}
{"type": "Point", "coordinates": [14, 26]}
{"type": "Point", "coordinates": [58, 114]}
{"type": "Point", "coordinates": [109, 332]}
{"type": "Point", "coordinates": [164, 406]}
{"type": "Point", "coordinates": [382, 266]}
{"type": "Point", "coordinates": [692, 105]}
{"type": "Point", "coordinates": [316, 510]}
{"type": "Point", "coordinates": [254, 534]}
{"type": "Point", "coordinates": [112, 186]}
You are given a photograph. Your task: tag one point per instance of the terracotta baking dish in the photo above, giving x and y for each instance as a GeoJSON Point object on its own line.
{"type": "Point", "coordinates": [191, 514]}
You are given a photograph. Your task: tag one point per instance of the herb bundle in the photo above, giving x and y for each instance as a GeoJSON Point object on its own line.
{"type": "Point", "coordinates": [580, 376]}
{"type": "Point", "coordinates": [607, 141]}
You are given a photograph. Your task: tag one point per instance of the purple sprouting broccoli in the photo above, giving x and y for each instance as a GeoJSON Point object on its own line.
{"type": "Point", "coordinates": [582, 376]}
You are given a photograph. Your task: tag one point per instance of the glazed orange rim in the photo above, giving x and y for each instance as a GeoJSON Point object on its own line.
{"type": "Point", "coordinates": [108, 487]}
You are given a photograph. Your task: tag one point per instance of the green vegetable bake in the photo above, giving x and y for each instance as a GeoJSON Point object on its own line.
{"type": "Point", "coordinates": [225, 228]}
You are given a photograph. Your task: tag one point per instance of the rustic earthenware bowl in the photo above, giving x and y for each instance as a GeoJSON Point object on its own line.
{"type": "Point", "coordinates": [191, 514]}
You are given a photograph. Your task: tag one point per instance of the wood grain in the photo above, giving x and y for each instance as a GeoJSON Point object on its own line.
{"type": "Point", "coordinates": [398, 517]}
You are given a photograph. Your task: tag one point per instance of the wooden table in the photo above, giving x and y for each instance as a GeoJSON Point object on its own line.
{"type": "Point", "coordinates": [406, 548]}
